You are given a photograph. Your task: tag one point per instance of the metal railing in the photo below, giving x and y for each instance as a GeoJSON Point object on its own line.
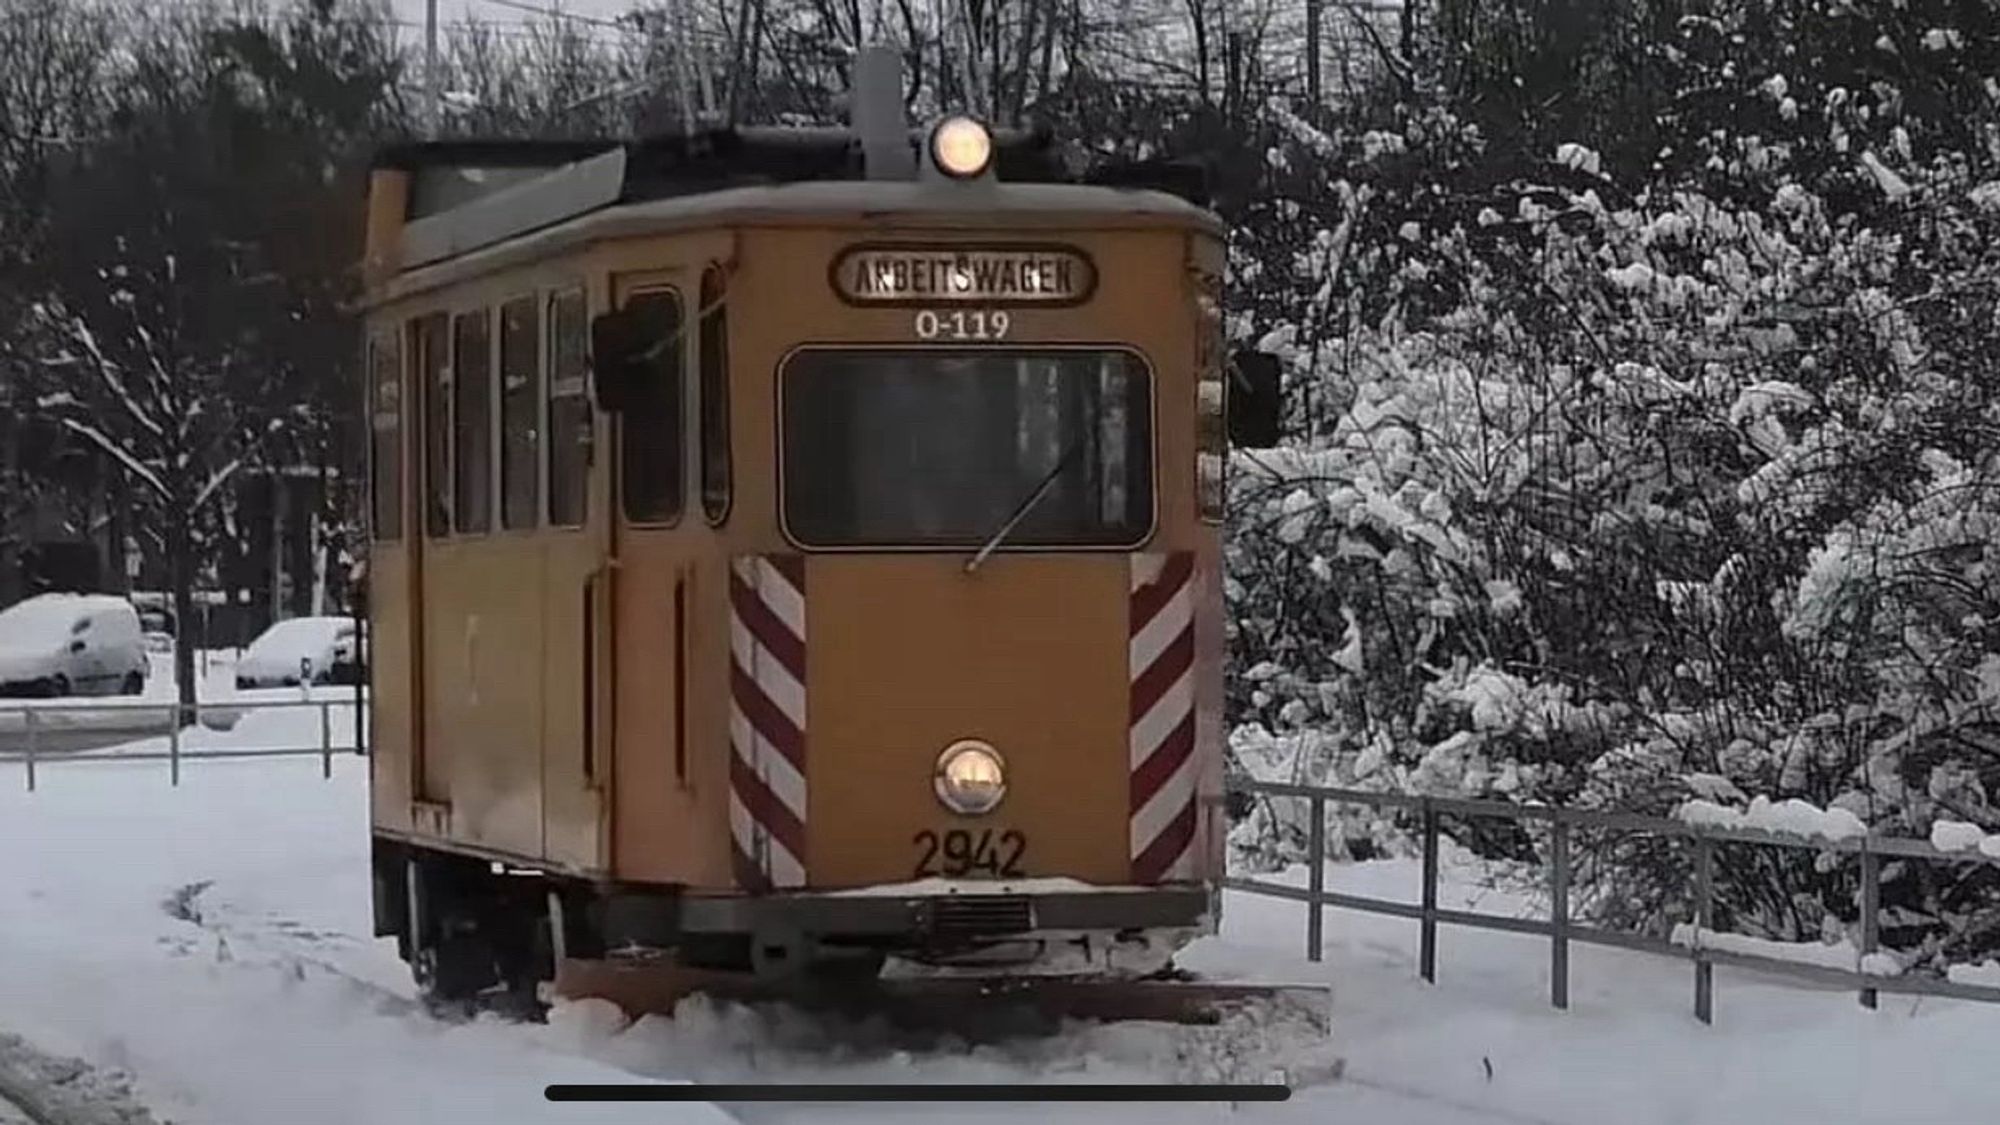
{"type": "Point", "coordinates": [46, 720]}
{"type": "Point", "coordinates": [1561, 930]}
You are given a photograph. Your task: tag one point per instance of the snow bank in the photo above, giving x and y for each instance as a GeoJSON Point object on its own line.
{"type": "Point", "coordinates": [1842, 955]}
{"type": "Point", "coordinates": [1985, 975]}
{"type": "Point", "coordinates": [1791, 818]}
{"type": "Point", "coordinates": [1958, 836]}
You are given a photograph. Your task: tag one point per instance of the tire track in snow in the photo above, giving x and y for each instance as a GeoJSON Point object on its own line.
{"type": "Point", "coordinates": [281, 947]}
{"type": "Point", "coordinates": [1412, 1093]}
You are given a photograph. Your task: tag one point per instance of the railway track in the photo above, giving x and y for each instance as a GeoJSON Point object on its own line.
{"type": "Point", "coordinates": [901, 1017]}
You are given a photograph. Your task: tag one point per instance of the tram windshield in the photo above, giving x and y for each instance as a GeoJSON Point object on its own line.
{"type": "Point", "coordinates": [937, 448]}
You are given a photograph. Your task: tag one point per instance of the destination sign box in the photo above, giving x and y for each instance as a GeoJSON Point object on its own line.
{"type": "Point", "coordinates": [927, 275]}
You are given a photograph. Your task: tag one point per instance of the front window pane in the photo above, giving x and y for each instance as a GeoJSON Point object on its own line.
{"type": "Point", "coordinates": [938, 448]}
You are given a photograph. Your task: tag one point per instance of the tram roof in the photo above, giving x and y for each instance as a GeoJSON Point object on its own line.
{"type": "Point", "coordinates": [469, 197]}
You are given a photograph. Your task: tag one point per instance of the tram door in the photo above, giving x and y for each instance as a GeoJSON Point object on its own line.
{"type": "Point", "coordinates": [653, 539]}
{"type": "Point", "coordinates": [574, 599]}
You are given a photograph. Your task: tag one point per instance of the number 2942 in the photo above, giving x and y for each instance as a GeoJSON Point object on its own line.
{"type": "Point", "coordinates": [963, 324]}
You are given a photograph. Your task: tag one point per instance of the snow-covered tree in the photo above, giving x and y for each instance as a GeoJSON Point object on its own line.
{"type": "Point", "coordinates": [187, 324]}
{"type": "Point", "coordinates": [1624, 483]}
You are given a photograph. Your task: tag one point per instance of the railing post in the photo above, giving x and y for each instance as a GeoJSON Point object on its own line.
{"type": "Point", "coordinates": [1559, 912]}
{"type": "Point", "coordinates": [174, 744]}
{"type": "Point", "coordinates": [33, 736]}
{"type": "Point", "coordinates": [325, 740]}
{"type": "Point", "coordinates": [1427, 948]}
{"type": "Point", "coordinates": [1704, 916]}
{"type": "Point", "coordinates": [361, 681]}
{"type": "Point", "coordinates": [1315, 876]}
{"type": "Point", "coordinates": [1871, 909]}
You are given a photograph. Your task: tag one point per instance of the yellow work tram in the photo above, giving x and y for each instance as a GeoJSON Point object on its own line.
{"type": "Point", "coordinates": [795, 552]}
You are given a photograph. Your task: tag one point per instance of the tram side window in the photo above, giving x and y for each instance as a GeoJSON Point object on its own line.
{"type": "Point", "coordinates": [520, 407]}
{"type": "Point", "coordinates": [472, 429]}
{"type": "Point", "coordinates": [569, 412]}
{"type": "Point", "coordinates": [649, 443]}
{"type": "Point", "coordinates": [386, 428]}
{"type": "Point", "coordinates": [715, 485]}
{"type": "Point", "coordinates": [430, 340]}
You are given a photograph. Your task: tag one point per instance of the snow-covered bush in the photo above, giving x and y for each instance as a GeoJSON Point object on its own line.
{"type": "Point", "coordinates": [1620, 488]}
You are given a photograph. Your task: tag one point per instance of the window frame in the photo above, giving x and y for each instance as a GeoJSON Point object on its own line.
{"type": "Point", "coordinates": [1150, 531]}
{"type": "Point", "coordinates": [385, 346]}
{"type": "Point", "coordinates": [537, 414]}
{"type": "Point", "coordinates": [549, 299]}
{"type": "Point", "coordinates": [722, 489]}
{"type": "Point", "coordinates": [677, 512]}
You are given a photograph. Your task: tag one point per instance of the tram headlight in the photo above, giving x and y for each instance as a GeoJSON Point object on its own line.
{"type": "Point", "coordinates": [961, 147]}
{"type": "Point", "coordinates": [971, 778]}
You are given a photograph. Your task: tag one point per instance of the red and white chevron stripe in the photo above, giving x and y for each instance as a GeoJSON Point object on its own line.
{"type": "Point", "coordinates": [1163, 773]}
{"type": "Point", "coordinates": [767, 720]}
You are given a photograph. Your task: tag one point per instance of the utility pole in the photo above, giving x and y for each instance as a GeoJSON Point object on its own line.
{"type": "Point", "coordinates": [433, 93]}
{"type": "Point", "coordinates": [1314, 12]}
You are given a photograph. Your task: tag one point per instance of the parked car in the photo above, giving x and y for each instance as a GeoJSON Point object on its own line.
{"type": "Point", "coordinates": [293, 652]}
{"type": "Point", "coordinates": [71, 644]}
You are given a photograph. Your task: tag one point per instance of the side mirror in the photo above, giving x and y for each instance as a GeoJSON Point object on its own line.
{"type": "Point", "coordinates": [1256, 406]}
{"type": "Point", "coordinates": [616, 366]}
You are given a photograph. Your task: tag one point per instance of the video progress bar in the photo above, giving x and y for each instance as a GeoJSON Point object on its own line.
{"type": "Point", "coordinates": [912, 1092]}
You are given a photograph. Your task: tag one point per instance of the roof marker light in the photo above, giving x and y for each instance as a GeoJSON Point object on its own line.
{"type": "Point", "coordinates": [961, 148]}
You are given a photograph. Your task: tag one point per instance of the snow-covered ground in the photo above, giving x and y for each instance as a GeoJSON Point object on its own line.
{"type": "Point", "coordinates": [212, 941]}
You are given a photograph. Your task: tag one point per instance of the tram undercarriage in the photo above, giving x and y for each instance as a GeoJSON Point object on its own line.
{"type": "Point", "coordinates": [491, 937]}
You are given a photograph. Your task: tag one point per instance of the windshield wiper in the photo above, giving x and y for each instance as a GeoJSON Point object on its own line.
{"type": "Point", "coordinates": [1028, 505]}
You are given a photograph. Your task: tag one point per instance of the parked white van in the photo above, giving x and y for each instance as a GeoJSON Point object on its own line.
{"type": "Point", "coordinates": [71, 644]}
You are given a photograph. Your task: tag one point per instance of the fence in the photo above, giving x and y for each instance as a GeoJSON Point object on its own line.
{"type": "Point", "coordinates": [44, 721]}
{"type": "Point", "coordinates": [1561, 930]}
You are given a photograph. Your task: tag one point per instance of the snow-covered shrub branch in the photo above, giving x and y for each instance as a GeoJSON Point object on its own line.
{"type": "Point", "coordinates": [1618, 489]}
